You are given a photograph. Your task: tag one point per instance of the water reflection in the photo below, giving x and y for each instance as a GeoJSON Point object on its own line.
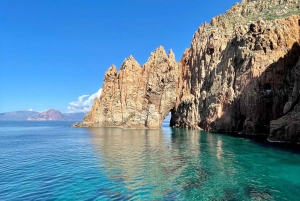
{"type": "Point", "coordinates": [152, 159]}
{"type": "Point", "coordinates": [113, 164]}
{"type": "Point", "coordinates": [165, 162]}
{"type": "Point", "coordinates": [181, 164]}
{"type": "Point", "coordinates": [219, 148]}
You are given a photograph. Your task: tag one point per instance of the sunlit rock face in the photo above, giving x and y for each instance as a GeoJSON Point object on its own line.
{"type": "Point", "coordinates": [137, 96]}
{"type": "Point", "coordinates": [236, 76]}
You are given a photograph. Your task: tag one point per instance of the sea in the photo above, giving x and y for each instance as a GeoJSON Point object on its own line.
{"type": "Point", "coordinates": [54, 161]}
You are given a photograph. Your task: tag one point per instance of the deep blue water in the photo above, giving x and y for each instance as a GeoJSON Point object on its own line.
{"type": "Point", "coordinates": [54, 161]}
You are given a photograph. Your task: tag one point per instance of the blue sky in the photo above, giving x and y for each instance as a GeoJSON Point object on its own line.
{"type": "Point", "coordinates": [55, 52]}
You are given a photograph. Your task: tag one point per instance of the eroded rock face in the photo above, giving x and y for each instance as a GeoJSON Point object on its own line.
{"type": "Point", "coordinates": [137, 97]}
{"type": "Point", "coordinates": [248, 78]}
{"type": "Point", "coordinates": [237, 76]}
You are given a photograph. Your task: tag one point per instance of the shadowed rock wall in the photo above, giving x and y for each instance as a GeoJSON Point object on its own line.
{"type": "Point", "coordinates": [246, 77]}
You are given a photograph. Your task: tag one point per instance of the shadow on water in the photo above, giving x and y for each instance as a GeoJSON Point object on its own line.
{"type": "Point", "coordinates": [262, 141]}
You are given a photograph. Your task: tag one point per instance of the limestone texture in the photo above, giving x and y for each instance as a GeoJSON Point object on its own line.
{"type": "Point", "coordinates": [238, 75]}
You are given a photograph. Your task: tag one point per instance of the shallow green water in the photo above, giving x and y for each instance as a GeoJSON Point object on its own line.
{"type": "Point", "coordinates": [53, 161]}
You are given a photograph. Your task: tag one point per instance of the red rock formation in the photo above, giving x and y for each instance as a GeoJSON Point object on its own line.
{"type": "Point", "coordinates": [235, 77]}
{"type": "Point", "coordinates": [137, 97]}
{"type": "Point", "coordinates": [232, 76]}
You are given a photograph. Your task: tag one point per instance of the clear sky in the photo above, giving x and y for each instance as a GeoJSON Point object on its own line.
{"type": "Point", "coordinates": [53, 52]}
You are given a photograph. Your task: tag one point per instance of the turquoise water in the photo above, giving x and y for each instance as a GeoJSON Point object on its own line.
{"type": "Point", "coordinates": [53, 161]}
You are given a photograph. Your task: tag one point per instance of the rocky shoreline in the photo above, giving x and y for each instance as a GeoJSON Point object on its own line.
{"type": "Point", "coordinates": [241, 73]}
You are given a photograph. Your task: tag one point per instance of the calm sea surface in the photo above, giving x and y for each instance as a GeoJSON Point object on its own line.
{"type": "Point", "coordinates": [53, 161]}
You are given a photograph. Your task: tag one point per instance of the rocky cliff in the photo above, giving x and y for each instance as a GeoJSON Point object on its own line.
{"type": "Point", "coordinates": [237, 76]}
{"type": "Point", "coordinates": [137, 96]}
{"type": "Point", "coordinates": [237, 72]}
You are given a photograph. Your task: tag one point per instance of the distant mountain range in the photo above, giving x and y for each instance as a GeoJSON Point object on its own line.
{"type": "Point", "coordinates": [49, 115]}
{"type": "Point", "coordinates": [17, 115]}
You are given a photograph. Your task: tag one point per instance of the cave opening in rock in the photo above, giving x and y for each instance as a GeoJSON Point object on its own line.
{"type": "Point", "coordinates": [167, 119]}
{"type": "Point", "coordinates": [268, 104]}
{"type": "Point", "coordinates": [241, 121]}
{"type": "Point", "coordinates": [267, 86]}
{"type": "Point", "coordinates": [285, 98]}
